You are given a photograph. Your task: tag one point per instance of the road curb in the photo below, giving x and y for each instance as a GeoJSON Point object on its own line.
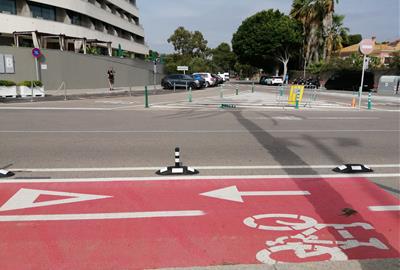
{"type": "Point", "coordinates": [124, 93]}
{"type": "Point", "coordinates": [387, 264]}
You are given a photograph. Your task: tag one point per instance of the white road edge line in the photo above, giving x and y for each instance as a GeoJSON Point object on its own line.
{"type": "Point", "coordinates": [102, 216]}
{"type": "Point", "coordinates": [56, 108]}
{"type": "Point", "coordinates": [343, 118]}
{"type": "Point", "coordinates": [384, 208]}
{"type": "Point", "coordinates": [198, 131]}
{"type": "Point", "coordinates": [197, 178]}
{"type": "Point", "coordinates": [121, 169]}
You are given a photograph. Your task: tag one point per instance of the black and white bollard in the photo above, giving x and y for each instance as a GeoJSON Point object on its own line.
{"type": "Point", "coordinates": [178, 169]}
{"type": "Point", "coordinates": [5, 173]}
{"type": "Point", "coordinates": [353, 168]}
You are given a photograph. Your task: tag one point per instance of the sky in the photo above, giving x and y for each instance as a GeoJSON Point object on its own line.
{"type": "Point", "coordinates": [219, 19]}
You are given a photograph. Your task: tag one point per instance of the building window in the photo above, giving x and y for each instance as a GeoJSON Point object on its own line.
{"type": "Point", "coordinates": [43, 11]}
{"type": "Point", "coordinates": [76, 18]}
{"type": "Point", "coordinates": [8, 6]}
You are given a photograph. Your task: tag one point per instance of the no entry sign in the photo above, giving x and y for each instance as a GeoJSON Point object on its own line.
{"type": "Point", "coordinates": [367, 46]}
{"type": "Point", "coordinates": [156, 224]}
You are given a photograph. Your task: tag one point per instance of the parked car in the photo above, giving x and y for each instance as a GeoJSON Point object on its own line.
{"type": "Point", "coordinates": [309, 83]}
{"type": "Point", "coordinates": [210, 81]}
{"type": "Point", "coordinates": [201, 80]}
{"type": "Point", "coordinates": [350, 80]}
{"type": "Point", "coordinates": [224, 76]}
{"type": "Point", "coordinates": [271, 80]}
{"type": "Point", "coordinates": [265, 80]}
{"type": "Point", "coordinates": [218, 78]}
{"type": "Point", "coordinates": [179, 81]}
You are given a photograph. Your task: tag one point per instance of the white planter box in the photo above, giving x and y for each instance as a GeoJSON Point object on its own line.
{"type": "Point", "coordinates": [8, 91]}
{"type": "Point", "coordinates": [25, 91]}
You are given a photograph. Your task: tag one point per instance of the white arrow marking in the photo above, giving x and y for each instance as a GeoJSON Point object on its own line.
{"type": "Point", "coordinates": [25, 198]}
{"type": "Point", "coordinates": [385, 208]}
{"type": "Point", "coordinates": [233, 194]}
{"type": "Point", "coordinates": [101, 216]}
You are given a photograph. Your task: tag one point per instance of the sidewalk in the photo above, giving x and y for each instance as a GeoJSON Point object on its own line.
{"type": "Point", "coordinates": [98, 91]}
{"type": "Point", "coordinates": [376, 96]}
{"type": "Point", "coordinates": [74, 94]}
{"type": "Point", "coordinates": [387, 264]}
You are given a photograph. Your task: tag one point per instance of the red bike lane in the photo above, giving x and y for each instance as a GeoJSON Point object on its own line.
{"type": "Point", "coordinates": [184, 223]}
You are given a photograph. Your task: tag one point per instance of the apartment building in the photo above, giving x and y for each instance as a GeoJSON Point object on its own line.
{"type": "Point", "coordinates": [74, 25]}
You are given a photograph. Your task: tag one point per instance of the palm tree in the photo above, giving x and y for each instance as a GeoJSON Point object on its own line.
{"type": "Point", "coordinates": [328, 10]}
{"type": "Point", "coordinates": [304, 12]}
{"type": "Point", "coordinates": [338, 32]}
{"type": "Point", "coordinates": [316, 16]}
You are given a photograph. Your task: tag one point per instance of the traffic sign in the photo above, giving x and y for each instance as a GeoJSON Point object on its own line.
{"type": "Point", "coordinates": [36, 52]}
{"type": "Point", "coordinates": [182, 68]}
{"type": "Point", "coordinates": [183, 223]}
{"type": "Point", "coordinates": [367, 46]}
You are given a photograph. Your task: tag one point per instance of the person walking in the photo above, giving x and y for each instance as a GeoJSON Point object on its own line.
{"type": "Point", "coordinates": [111, 77]}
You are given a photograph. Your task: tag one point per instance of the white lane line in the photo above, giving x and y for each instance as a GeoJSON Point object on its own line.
{"type": "Point", "coordinates": [121, 169]}
{"type": "Point", "coordinates": [199, 178]}
{"type": "Point", "coordinates": [384, 208]}
{"type": "Point", "coordinates": [202, 131]}
{"type": "Point", "coordinates": [343, 118]}
{"type": "Point", "coordinates": [55, 108]}
{"type": "Point", "coordinates": [101, 216]}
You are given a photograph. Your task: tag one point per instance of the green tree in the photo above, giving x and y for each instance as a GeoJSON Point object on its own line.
{"type": "Point", "coordinates": [316, 17]}
{"type": "Point", "coordinates": [353, 62]}
{"type": "Point", "coordinates": [244, 70]}
{"type": "Point", "coordinates": [266, 39]}
{"type": "Point", "coordinates": [352, 40]}
{"type": "Point", "coordinates": [338, 32]}
{"type": "Point", "coordinates": [395, 61]}
{"type": "Point", "coordinates": [223, 57]}
{"type": "Point", "coordinates": [188, 43]}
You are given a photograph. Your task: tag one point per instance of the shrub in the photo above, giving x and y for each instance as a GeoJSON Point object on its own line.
{"type": "Point", "coordinates": [29, 83]}
{"type": "Point", "coordinates": [6, 83]}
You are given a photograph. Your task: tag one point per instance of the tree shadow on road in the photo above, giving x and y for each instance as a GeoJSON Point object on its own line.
{"type": "Point", "coordinates": [283, 155]}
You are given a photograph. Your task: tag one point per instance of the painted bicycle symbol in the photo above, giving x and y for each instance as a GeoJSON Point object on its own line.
{"type": "Point", "coordinates": [306, 244]}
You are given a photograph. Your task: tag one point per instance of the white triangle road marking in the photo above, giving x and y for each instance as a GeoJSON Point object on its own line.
{"type": "Point", "coordinates": [25, 198]}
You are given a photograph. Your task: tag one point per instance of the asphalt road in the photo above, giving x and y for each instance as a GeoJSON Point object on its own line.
{"type": "Point", "coordinates": [95, 137]}
{"type": "Point", "coordinates": [53, 145]}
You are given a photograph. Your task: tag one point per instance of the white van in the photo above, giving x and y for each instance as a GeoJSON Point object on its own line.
{"type": "Point", "coordinates": [224, 76]}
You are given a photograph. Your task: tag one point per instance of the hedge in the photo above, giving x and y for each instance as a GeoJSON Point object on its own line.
{"type": "Point", "coordinates": [29, 83]}
{"type": "Point", "coordinates": [6, 83]}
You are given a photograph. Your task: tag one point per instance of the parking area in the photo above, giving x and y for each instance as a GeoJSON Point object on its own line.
{"type": "Point", "coordinates": [240, 95]}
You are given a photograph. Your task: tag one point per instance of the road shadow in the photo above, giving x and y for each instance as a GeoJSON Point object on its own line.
{"type": "Point", "coordinates": [334, 202]}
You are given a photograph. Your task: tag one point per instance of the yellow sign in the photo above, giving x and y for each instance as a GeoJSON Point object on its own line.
{"type": "Point", "coordinates": [293, 93]}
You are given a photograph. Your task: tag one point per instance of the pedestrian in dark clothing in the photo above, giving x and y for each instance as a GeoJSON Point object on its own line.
{"type": "Point", "coordinates": [111, 78]}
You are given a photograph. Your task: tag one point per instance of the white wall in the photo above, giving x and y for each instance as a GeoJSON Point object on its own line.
{"type": "Point", "coordinates": [12, 23]}
{"type": "Point", "coordinates": [93, 11]}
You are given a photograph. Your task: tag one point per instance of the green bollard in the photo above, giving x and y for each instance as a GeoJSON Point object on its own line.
{"type": "Point", "coordinates": [146, 97]}
{"type": "Point", "coordinates": [281, 91]}
{"type": "Point", "coordinates": [252, 87]}
{"type": "Point", "coordinates": [297, 99]}
{"type": "Point", "coordinates": [190, 94]}
{"type": "Point", "coordinates": [370, 101]}
{"type": "Point", "coordinates": [221, 92]}
{"type": "Point", "coordinates": [237, 90]}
